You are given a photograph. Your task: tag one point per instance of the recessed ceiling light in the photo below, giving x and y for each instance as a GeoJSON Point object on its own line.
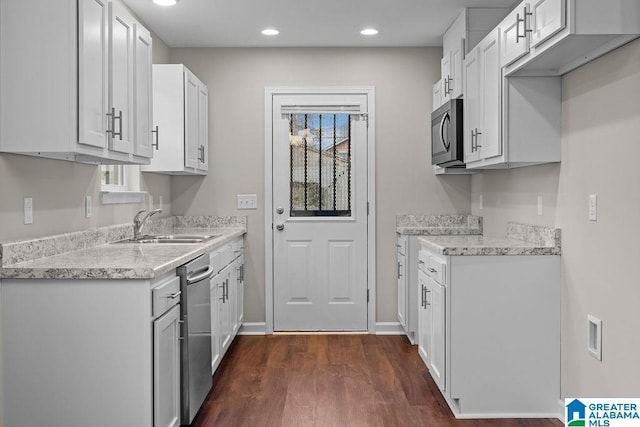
{"type": "Point", "coordinates": [165, 2]}
{"type": "Point", "coordinates": [369, 32]}
{"type": "Point", "coordinates": [270, 32]}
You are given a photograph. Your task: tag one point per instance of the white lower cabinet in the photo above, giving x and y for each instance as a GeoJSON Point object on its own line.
{"type": "Point", "coordinates": [166, 369]}
{"type": "Point", "coordinates": [108, 349]}
{"type": "Point", "coordinates": [227, 298]}
{"type": "Point", "coordinates": [488, 345]}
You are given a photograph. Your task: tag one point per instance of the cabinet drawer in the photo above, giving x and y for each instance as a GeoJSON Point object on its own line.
{"type": "Point", "coordinates": [436, 269]}
{"type": "Point", "coordinates": [165, 296]}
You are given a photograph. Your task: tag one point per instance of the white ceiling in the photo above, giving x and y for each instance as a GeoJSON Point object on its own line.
{"type": "Point", "coordinates": [303, 23]}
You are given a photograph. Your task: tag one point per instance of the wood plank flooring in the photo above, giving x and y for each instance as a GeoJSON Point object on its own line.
{"type": "Point", "coordinates": [330, 380]}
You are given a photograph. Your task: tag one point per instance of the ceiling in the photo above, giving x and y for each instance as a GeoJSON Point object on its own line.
{"type": "Point", "coordinates": [303, 23]}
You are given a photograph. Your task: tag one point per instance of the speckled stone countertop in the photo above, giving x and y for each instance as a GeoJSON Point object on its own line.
{"type": "Point", "coordinates": [90, 254]}
{"type": "Point", "coordinates": [522, 239]}
{"type": "Point", "coordinates": [438, 224]}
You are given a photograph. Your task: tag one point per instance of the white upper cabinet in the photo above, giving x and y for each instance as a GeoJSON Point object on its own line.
{"type": "Point", "coordinates": [508, 122]}
{"type": "Point", "coordinates": [565, 34]}
{"type": "Point", "coordinates": [547, 18]}
{"type": "Point", "coordinates": [143, 92]}
{"type": "Point", "coordinates": [180, 112]}
{"type": "Point", "coordinates": [80, 105]}
{"type": "Point", "coordinates": [514, 34]}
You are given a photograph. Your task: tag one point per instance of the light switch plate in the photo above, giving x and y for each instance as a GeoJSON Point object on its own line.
{"type": "Point", "coordinates": [540, 203]}
{"type": "Point", "coordinates": [247, 201]}
{"type": "Point", "coordinates": [593, 207]}
{"type": "Point", "coordinates": [28, 210]}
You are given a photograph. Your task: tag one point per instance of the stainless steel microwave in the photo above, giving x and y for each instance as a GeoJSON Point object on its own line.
{"type": "Point", "coordinates": [446, 135]}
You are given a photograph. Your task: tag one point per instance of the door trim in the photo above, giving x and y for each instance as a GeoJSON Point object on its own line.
{"type": "Point", "coordinates": [269, 93]}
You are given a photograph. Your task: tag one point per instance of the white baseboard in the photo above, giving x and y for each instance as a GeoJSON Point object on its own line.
{"type": "Point", "coordinates": [382, 328]}
{"type": "Point", "coordinates": [253, 328]}
{"type": "Point", "coordinates": [389, 328]}
{"type": "Point", "coordinates": [561, 410]}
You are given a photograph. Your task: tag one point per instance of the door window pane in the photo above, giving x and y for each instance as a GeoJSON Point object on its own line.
{"type": "Point", "coordinates": [320, 175]}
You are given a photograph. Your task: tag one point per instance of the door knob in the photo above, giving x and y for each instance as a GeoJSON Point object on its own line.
{"type": "Point", "coordinates": [280, 210]}
{"type": "Point", "coordinates": [280, 227]}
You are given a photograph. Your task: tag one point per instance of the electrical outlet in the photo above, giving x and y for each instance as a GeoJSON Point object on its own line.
{"type": "Point", "coordinates": [160, 202]}
{"type": "Point", "coordinates": [593, 207]}
{"type": "Point", "coordinates": [88, 208]}
{"type": "Point", "coordinates": [481, 202]}
{"type": "Point", "coordinates": [247, 201]}
{"type": "Point", "coordinates": [540, 203]}
{"type": "Point", "coordinates": [28, 210]}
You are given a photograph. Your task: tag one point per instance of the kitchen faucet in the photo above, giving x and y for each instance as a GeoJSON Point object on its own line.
{"type": "Point", "coordinates": [140, 220]}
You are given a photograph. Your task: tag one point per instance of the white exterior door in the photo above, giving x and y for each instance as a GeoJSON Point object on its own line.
{"type": "Point", "coordinates": [320, 212]}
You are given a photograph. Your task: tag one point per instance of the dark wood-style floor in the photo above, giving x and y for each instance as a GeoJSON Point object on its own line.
{"type": "Point", "coordinates": [329, 380]}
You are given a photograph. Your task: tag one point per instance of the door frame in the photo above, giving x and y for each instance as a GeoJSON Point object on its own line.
{"type": "Point", "coordinates": [269, 93]}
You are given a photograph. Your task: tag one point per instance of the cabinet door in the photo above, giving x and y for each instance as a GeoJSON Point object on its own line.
{"type": "Point", "coordinates": [203, 127]}
{"type": "Point", "coordinates": [166, 369]}
{"type": "Point", "coordinates": [547, 18]}
{"type": "Point", "coordinates": [240, 292]}
{"type": "Point", "coordinates": [93, 72]}
{"type": "Point", "coordinates": [514, 34]}
{"type": "Point", "coordinates": [445, 73]}
{"type": "Point", "coordinates": [436, 303]}
{"type": "Point", "coordinates": [471, 105]}
{"type": "Point", "coordinates": [121, 41]}
{"type": "Point", "coordinates": [143, 92]}
{"type": "Point", "coordinates": [424, 321]}
{"type": "Point", "coordinates": [402, 291]}
{"type": "Point", "coordinates": [226, 320]}
{"type": "Point", "coordinates": [488, 139]}
{"type": "Point", "coordinates": [457, 56]}
{"type": "Point", "coordinates": [437, 95]}
{"type": "Point", "coordinates": [216, 303]}
{"type": "Point", "coordinates": [191, 149]}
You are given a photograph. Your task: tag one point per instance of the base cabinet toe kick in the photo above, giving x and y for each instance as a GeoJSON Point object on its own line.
{"type": "Point", "coordinates": [489, 332]}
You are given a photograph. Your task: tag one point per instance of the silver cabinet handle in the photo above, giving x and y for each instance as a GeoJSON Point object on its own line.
{"type": "Point", "coordinates": [399, 275]}
{"type": "Point", "coordinates": [447, 85]}
{"type": "Point", "coordinates": [157, 143]}
{"type": "Point", "coordinates": [119, 119]}
{"type": "Point", "coordinates": [173, 295]}
{"type": "Point", "coordinates": [280, 227]}
{"type": "Point", "coordinates": [111, 115]}
{"type": "Point", "coordinates": [477, 133]}
{"type": "Point", "coordinates": [431, 270]}
{"type": "Point", "coordinates": [201, 156]}
{"type": "Point", "coordinates": [524, 21]}
{"type": "Point", "coordinates": [280, 210]}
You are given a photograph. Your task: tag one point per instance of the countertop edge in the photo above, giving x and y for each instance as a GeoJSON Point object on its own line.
{"type": "Point", "coordinates": [20, 271]}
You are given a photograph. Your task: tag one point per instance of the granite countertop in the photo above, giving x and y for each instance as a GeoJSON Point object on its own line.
{"type": "Point", "coordinates": [438, 224]}
{"type": "Point", "coordinates": [106, 260]}
{"type": "Point", "coordinates": [522, 239]}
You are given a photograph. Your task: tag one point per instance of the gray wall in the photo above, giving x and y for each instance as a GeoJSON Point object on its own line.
{"type": "Point", "coordinates": [600, 268]}
{"type": "Point", "coordinates": [236, 79]}
{"type": "Point", "coordinates": [58, 189]}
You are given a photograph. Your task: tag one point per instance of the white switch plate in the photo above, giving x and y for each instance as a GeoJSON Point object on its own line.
{"type": "Point", "coordinates": [593, 207]}
{"type": "Point", "coordinates": [247, 201]}
{"type": "Point", "coordinates": [88, 208]}
{"type": "Point", "coordinates": [540, 202]}
{"type": "Point", "coordinates": [28, 210]}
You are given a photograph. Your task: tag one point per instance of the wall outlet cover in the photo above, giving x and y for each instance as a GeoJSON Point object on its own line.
{"type": "Point", "coordinates": [88, 206]}
{"type": "Point", "coordinates": [593, 207]}
{"type": "Point", "coordinates": [28, 210]}
{"type": "Point", "coordinates": [247, 201]}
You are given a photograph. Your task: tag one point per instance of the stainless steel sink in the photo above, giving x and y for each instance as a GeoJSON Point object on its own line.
{"type": "Point", "coordinates": [172, 238]}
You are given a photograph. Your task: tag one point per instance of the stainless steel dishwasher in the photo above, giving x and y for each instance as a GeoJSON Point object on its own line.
{"type": "Point", "coordinates": [195, 310]}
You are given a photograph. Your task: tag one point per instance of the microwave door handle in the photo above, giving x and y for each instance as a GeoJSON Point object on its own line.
{"type": "Point", "coordinates": [446, 143]}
